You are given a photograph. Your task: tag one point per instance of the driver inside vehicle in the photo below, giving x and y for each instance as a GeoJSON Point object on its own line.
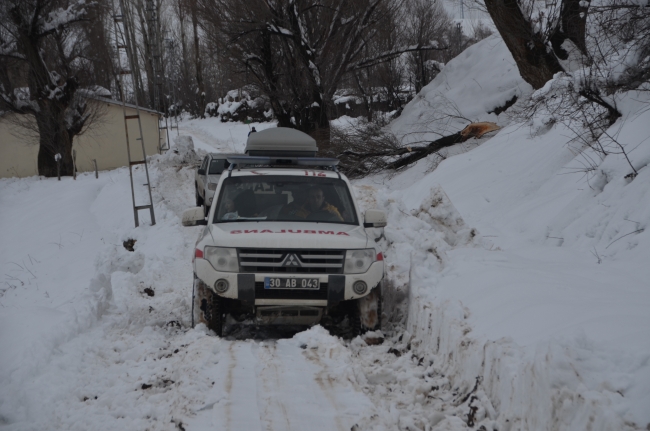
{"type": "Point", "coordinates": [316, 206]}
{"type": "Point", "coordinates": [230, 210]}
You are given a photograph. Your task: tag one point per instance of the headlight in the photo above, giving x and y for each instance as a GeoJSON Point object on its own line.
{"type": "Point", "coordinates": [358, 261]}
{"type": "Point", "coordinates": [222, 259]}
{"type": "Point", "coordinates": [212, 186]}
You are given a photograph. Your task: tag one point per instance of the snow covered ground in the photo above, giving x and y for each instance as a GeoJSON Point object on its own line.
{"type": "Point", "coordinates": [97, 337]}
{"type": "Point", "coordinates": [547, 307]}
{"type": "Point", "coordinates": [524, 285]}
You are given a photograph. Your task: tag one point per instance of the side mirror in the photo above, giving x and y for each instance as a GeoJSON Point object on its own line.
{"type": "Point", "coordinates": [201, 172]}
{"type": "Point", "coordinates": [194, 217]}
{"type": "Point", "coordinates": [374, 218]}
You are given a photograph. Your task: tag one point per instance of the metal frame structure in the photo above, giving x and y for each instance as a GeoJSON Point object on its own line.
{"type": "Point", "coordinates": [282, 162]}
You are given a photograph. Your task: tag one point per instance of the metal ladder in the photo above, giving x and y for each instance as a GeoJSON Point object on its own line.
{"type": "Point", "coordinates": [124, 43]}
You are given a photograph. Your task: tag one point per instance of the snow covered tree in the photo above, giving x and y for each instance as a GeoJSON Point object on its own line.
{"type": "Point", "coordinates": [42, 59]}
{"type": "Point", "coordinates": [298, 52]}
{"type": "Point", "coordinates": [425, 21]}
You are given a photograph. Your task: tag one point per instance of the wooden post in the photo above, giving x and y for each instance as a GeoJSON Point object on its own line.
{"type": "Point", "coordinates": [74, 164]}
{"type": "Point", "coordinates": [95, 163]}
{"type": "Point", "coordinates": [57, 158]}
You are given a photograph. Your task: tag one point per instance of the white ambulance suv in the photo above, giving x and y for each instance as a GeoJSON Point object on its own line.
{"type": "Point", "coordinates": [285, 243]}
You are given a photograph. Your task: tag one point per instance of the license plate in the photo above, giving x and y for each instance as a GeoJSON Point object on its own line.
{"type": "Point", "coordinates": [291, 283]}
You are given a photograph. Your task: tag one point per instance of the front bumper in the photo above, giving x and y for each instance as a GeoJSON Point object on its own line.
{"type": "Point", "coordinates": [242, 286]}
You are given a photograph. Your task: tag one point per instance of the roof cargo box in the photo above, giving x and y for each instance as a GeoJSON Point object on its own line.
{"type": "Point", "coordinates": [281, 141]}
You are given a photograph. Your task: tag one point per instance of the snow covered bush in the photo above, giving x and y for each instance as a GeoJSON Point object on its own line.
{"type": "Point", "coordinates": [240, 105]}
{"type": "Point", "coordinates": [585, 97]}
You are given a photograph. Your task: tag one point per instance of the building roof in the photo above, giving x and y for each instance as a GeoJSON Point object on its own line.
{"type": "Point", "coordinates": [128, 105]}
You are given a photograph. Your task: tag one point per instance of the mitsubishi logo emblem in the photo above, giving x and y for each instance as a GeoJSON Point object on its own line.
{"type": "Point", "coordinates": [291, 260]}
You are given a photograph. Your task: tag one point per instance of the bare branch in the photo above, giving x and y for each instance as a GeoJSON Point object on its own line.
{"type": "Point", "coordinates": [389, 55]}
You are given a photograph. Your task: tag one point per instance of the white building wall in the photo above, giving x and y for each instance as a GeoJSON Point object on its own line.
{"type": "Point", "coordinates": [105, 141]}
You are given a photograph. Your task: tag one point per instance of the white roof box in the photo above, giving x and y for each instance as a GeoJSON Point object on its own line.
{"type": "Point", "coordinates": [281, 141]}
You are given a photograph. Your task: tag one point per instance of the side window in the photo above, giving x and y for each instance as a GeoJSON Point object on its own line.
{"type": "Point", "coordinates": [204, 165]}
{"type": "Point", "coordinates": [217, 166]}
{"type": "Point", "coordinates": [343, 203]}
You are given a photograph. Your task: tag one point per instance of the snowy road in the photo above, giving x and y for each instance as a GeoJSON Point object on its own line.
{"type": "Point", "coordinates": [280, 386]}
{"type": "Point", "coordinates": [514, 334]}
{"type": "Point", "coordinates": [119, 352]}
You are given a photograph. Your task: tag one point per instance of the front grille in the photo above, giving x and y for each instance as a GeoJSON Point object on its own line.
{"type": "Point", "coordinates": [283, 261]}
{"type": "Point", "coordinates": [262, 293]}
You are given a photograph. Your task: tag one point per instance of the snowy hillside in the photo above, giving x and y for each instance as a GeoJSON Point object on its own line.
{"type": "Point", "coordinates": [481, 79]}
{"type": "Point", "coordinates": [518, 291]}
{"type": "Point", "coordinates": [548, 307]}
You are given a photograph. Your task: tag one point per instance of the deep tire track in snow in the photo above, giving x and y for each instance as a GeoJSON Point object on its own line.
{"type": "Point", "coordinates": [141, 367]}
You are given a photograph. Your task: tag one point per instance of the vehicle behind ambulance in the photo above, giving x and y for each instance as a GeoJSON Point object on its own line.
{"type": "Point", "coordinates": [284, 241]}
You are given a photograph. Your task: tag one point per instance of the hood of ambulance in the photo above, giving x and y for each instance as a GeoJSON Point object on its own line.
{"type": "Point", "coordinates": [291, 235]}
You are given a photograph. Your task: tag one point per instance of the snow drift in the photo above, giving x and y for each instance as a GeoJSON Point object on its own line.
{"type": "Point", "coordinates": [525, 276]}
{"type": "Point", "coordinates": [541, 318]}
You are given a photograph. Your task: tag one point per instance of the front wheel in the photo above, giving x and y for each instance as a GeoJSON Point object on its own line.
{"type": "Point", "coordinates": [366, 315]}
{"type": "Point", "coordinates": [207, 307]}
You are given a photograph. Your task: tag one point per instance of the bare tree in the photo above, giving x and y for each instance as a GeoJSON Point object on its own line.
{"type": "Point", "coordinates": [198, 63]}
{"type": "Point", "coordinates": [620, 39]}
{"type": "Point", "coordinates": [425, 22]}
{"type": "Point", "coordinates": [298, 52]}
{"type": "Point", "coordinates": [41, 73]}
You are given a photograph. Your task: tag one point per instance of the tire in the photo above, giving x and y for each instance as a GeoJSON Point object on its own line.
{"type": "Point", "coordinates": [366, 315]}
{"type": "Point", "coordinates": [199, 199]}
{"type": "Point", "coordinates": [207, 307]}
{"type": "Point", "coordinates": [354, 319]}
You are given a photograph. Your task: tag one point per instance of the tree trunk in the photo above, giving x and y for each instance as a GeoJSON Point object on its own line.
{"type": "Point", "coordinates": [318, 124]}
{"type": "Point", "coordinates": [53, 139]}
{"type": "Point", "coordinates": [50, 117]}
{"type": "Point", "coordinates": [132, 47]}
{"type": "Point", "coordinates": [572, 26]}
{"type": "Point", "coordinates": [270, 81]}
{"type": "Point", "coordinates": [198, 65]}
{"type": "Point", "coordinates": [362, 156]}
{"type": "Point", "coordinates": [366, 99]}
{"type": "Point", "coordinates": [181, 19]}
{"type": "Point", "coordinates": [536, 64]}
{"type": "Point", "coordinates": [145, 31]}
{"type": "Point", "coordinates": [420, 77]}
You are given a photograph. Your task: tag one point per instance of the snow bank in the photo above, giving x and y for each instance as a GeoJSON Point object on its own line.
{"type": "Point", "coordinates": [482, 78]}
{"type": "Point", "coordinates": [181, 153]}
{"type": "Point", "coordinates": [49, 292]}
{"type": "Point", "coordinates": [70, 282]}
{"type": "Point", "coordinates": [542, 317]}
